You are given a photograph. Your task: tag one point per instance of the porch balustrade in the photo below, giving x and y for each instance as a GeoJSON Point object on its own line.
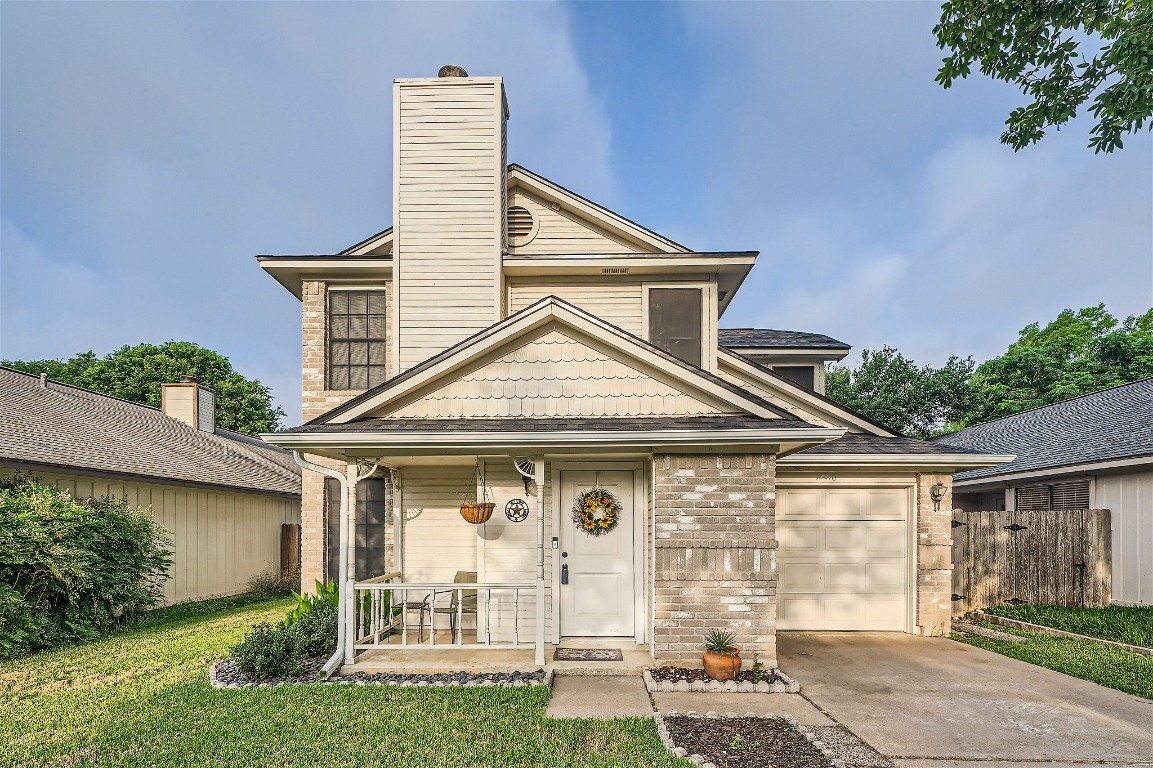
{"type": "Point", "coordinates": [383, 606]}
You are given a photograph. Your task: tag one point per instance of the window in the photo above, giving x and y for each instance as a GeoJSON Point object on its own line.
{"type": "Point", "coordinates": [1070, 495]}
{"type": "Point", "coordinates": [371, 515]}
{"type": "Point", "coordinates": [675, 322]}
{"type": "Point", "coordinates": [798, 374]}
{"type": "Point", "coordinates": [356, 339]}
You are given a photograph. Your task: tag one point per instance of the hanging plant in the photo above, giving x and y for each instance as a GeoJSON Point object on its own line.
{"type": "Point", "coordinates": [596, 511]}
{"type": "Point", "coordinates": [476, 508]}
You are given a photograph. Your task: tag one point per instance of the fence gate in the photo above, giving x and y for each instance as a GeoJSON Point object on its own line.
{"type": "Point", "coordinates": [1033, 556]}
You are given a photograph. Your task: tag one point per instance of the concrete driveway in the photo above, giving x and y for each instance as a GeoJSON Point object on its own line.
{"type": "Point", "coordinates": [933, 702]}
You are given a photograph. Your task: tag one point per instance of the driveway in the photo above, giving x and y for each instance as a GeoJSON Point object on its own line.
{"type": "Point", "coordinates": [933, 702]}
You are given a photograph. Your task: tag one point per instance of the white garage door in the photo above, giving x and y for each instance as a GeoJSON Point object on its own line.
{"type": "Point", "coordinates": [843, 558]}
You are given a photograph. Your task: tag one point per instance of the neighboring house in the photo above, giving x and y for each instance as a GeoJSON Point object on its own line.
{"type": "Point", "coordinates": [222, 496]}
{"type": "Point", "coordinates": [508, 332]}
{"type": "Point", "coordinates": [1090, 452]}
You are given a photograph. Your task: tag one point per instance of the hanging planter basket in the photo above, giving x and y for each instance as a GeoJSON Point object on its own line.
{"type": "Point", "coordinates": [478, 510]}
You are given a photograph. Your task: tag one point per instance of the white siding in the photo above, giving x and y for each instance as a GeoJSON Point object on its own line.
{"type": "Point", "coordinates": [1129, 497]}
{"type": "Point", "coordinates": [449, 198]}
{"type": "Point", "coordinates": [220, 540]}
{"type": "Point", "coordinates": [614, 300]}
{"type": "Point", "coordinates": [765, 392]}
{"type": "Point", "coordinates": [564, 232]}
{"type": "Point", "coordinates": [437, 540]}
{"type": "Point", "coordinates": [554, 375]}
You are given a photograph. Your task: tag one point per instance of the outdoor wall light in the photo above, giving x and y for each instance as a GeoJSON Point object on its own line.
{"type": "Point", "coordinates": [936, 493]}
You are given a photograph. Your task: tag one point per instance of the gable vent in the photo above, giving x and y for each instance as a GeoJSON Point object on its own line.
{"type": "Point", "coordinates": [521, 225]}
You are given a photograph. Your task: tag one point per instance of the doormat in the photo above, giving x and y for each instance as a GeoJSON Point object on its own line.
{"type": "Point", "coordinates": [587, 654]}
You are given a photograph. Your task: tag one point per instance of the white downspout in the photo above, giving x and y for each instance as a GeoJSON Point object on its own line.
{"type": "Point", "coordinates": [337, 657]}
{"type": "Point", "coordinates": [540, 580]}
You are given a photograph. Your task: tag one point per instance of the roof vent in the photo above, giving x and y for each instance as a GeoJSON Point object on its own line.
{"type": "Point", "coordinates": [451, 70]}
{"type": "Point", "coordinates": [522, 225]}
{"type": "Point", "coordinates": [188, 401]}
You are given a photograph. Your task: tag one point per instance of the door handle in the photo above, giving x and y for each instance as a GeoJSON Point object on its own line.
{"type": "Point", "coordinates": [564, 574]}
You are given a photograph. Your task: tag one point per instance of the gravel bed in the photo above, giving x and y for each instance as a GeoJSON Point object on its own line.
{"type": "Point", "coordinates": [672, 679]}
{"type": "Point", "coordinates": [847, 746]}
{"type": "Point", "coordinates": [741, 742]}
{"type": "Point", "coordinates": [224, 674]}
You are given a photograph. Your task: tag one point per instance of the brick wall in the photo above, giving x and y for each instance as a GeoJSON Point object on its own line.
{"type": "Point", "coordinates": [316, 400]}
{"type": "Point", "coordinates": [715, 566]}
{"type": "Point", "coordinates": [934, 557]}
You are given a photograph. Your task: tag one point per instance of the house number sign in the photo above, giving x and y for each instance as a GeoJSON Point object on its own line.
{"type": "Point", "coordinates": [516, 510]}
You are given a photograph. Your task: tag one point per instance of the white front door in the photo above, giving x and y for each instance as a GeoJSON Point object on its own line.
{"type": "Point", "coordinates": [599, 599]}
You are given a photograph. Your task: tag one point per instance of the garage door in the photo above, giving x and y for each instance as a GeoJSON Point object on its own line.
{"type": "Point", "coordinates": [843, 558]}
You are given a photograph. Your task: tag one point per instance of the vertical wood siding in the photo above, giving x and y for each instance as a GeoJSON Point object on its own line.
{"type": "Point", "coordinates": [564, 232]}
{"type": "Point", "coordinates": [449, 212]}
{"type": "Point", "coordinates": [220, 540]}
{"type": "Point", "coordinates": [1130, 499]}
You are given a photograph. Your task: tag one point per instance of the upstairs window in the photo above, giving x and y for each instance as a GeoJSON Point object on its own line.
{"type": "Point", "coordinates": [675, 322]}
{"type": "Point", "coordinates": [356, 339]}
{"type": "Point", "coordinates": [798, 374]}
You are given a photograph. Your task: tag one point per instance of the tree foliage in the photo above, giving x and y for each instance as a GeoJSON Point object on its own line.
{"type": "Point", "coordinates": [136, 373]}
{"type": "Point", "coordinates": [1061, 54]}
{"type": "Point", "coordinates": [1078, 353]}
{"type": "Point", "coordinates": [890, 388]}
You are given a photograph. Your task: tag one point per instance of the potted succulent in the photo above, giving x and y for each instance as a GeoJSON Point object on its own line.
{"type": "Point", "coordinates": [722, 659]}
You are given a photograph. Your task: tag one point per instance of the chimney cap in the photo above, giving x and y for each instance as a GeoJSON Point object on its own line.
{"type": "Point", "coordinates": [189, 380]}
{"type": "Point", "coordinates": [451, 70]}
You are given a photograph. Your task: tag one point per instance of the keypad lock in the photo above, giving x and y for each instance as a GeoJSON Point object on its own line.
{"type": "Point", "coordinates": [564, 574]}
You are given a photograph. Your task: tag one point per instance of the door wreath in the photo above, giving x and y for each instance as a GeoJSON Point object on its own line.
{"type": "Point", "coordinates": [596, 511]}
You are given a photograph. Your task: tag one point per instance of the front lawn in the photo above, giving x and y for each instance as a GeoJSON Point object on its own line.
{"type": "Point", "coordinates": [1108, 666]}
{"type": "Point", "coordinates": [142, 698]}
{"type": "Point", "coordinates": [1121, 623]}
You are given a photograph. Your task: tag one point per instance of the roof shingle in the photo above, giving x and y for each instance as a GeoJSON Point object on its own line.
{"type": "Point", "coordinates": [747, 338]}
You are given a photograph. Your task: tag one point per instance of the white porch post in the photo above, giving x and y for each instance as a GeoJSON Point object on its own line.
{"type": "Point", "coordinates": [538, 466]}
{"type": "Point", "coordinates": [348, 562]}
{"type": "Point", "coordinates": [397, 522]}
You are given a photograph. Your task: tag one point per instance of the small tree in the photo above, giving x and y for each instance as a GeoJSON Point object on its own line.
{"type": "Point", "coordinates": [73, 569]}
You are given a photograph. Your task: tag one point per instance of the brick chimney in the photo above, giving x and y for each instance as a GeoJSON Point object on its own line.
{"type": "Point", "coordinates": [189, 402]}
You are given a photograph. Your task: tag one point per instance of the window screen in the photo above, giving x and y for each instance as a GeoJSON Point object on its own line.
{"type": "Point", "coordinates": [1033, 497]}
{"type": "Point", "coordinates": [356, 331]}
{"type": "Point", "coordinates": [798, 374]}
{"type": "Point", "coordinates": [1071, 495]}
{"type": "Point", "coordinates": [675, 321]}
{"type": "Point", "coordinates": [371, 514]}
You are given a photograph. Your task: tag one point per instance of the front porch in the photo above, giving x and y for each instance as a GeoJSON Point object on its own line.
{"type": "Point", "coordinates": [505, 659]}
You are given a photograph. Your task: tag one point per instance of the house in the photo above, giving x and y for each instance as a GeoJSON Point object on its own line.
{"type": "Point", "coordinates": [1090, 452]}
{"type": "Point", "coordinates": [223, 496]}
{"type": "Point", "coordinates": [511, 341]}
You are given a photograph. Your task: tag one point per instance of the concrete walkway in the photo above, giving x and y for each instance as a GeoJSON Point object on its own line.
{"type": "Point", "coordinates": [933, 702]}
{"type": "Point", "coordinates": [601, 696]}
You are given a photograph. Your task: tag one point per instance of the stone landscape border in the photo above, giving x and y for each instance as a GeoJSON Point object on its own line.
{"type": "Point", "coordinates": [784, 684]}
{"type": "Point", "coordinates": [473, 680]}
{"type": "Point", "coordinates": [704, 762]}
{"type": "Point", "coordinates": [1041, 629]}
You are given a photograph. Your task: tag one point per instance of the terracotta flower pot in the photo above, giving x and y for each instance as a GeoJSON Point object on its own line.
{"type": "Point", "coordinates": [723, 666]}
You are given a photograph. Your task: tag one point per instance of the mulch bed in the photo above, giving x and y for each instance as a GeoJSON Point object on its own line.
{"type": "Point", "coordinates": [689, 674]}
{"type": "Point", "coordinates": [227, 675]}
{"type": "Point", "coordinates": [745, 742]}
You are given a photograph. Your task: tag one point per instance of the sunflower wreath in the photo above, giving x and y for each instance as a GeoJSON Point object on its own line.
{"type": "Point", "coordinates": [588, 504]}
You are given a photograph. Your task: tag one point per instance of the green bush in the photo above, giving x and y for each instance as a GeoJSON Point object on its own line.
{"type": "Point", "coordinates": [309, 630]}
{"type": "Point", "coordinates": [274, 584]}
{"type": "Point", "coordinates": [73, 569]}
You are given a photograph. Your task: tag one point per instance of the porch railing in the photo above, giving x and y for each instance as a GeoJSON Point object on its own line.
{"type": "Point", "coordinates": [384, 608]}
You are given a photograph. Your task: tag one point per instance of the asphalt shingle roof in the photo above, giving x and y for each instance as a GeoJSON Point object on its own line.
{"type": "Point", "coordinates": [853, 443]}
{"type": "Point", "coordinates": [743, 338]}
{"type": "Point", "coordinates": [68, 427]}
{"type": "Point", "coordinates": [1111, 424]}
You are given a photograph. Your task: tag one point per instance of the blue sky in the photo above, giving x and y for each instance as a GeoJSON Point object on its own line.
{"type": "Point", "coordinates": [149, 150]}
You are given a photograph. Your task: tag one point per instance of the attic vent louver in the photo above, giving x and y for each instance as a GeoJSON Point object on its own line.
{"type": "Point", "coordinates": [521, 225]}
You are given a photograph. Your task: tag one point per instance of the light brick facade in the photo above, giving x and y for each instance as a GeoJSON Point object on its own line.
{"type": "Point", "coordinates": [715, 565]}
{"type": "Point", "coordinates": [934, 557]}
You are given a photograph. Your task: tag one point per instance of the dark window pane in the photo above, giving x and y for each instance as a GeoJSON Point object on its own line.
{"type": "Point", "coordinates": [376, 375]}
{"type": "Point", "coordinates": [339, 353]}
{"type": "Point", "coordinates": [338, 302]}
{"type": "Point", "coordinates": [338, 378]}
{"type": "Point", "coordinates": [376, 302]}
{"type": "Point", "coordinates": [355, 317]}
{"type": "Point", "coordinates": [357, 303]}
{"type": "Point", "coordinates": [798, 374]}
{"type": "Point", "coordinates": [357, 327]}
{"type": "Point", "coordinates": [358, 353]}
{"type": "Point", "coordinates": [675, 322]}
{"type": "Point", "coordinates": [358, 377]}
{"type": "Point", "coordinates": [338, 328]}
{"type": "Point", "coordinates": [376, 326]}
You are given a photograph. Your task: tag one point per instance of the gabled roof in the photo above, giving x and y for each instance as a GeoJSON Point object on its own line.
{"type": "Point", "coordinates": [68, 428]}
{"type": "Point", "coordinates": [1113, 424]}
{"type": "Point", "coordinates": [550, 310]}
{"type": "Point", "coordinates": [768, 338]}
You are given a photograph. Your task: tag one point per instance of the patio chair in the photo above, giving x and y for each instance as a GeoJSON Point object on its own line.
{"type": "Point", "coordinates": [467, 601]}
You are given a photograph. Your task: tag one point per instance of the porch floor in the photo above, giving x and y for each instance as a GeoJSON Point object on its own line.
{"type": "Point", "coordinates": [418, 659]}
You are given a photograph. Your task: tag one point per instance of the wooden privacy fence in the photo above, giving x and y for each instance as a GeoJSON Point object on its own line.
{"type": "Point", "coordinates": [1060, 557]}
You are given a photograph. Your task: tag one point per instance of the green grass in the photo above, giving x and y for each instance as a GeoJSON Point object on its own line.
{"type": "Point", "coordinates": [1120, 623]}
{"type": "Point", "coordinates": [1111, 667]}
{"type": "Point", "coordinates": [142, 698]}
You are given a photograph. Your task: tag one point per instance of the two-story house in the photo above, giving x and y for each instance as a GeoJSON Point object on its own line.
{"type": "Point", "coordinates": [653, 477]}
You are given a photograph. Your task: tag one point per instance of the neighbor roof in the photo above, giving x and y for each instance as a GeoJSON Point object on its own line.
{"type": "Point", "coordinates": [745, 338]}
{"type": "Point", "coordinates": [1108, 425]}
{"type": "Point", "coordinates": [68, 428]}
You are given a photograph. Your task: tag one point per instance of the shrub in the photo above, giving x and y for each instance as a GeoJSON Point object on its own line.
{"type": "Point", "coordinates": [309, 630]}
{"type": "Point", "coordinates": [273, 584]}
{"type": "Point", "coordinates": [73, 569]}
